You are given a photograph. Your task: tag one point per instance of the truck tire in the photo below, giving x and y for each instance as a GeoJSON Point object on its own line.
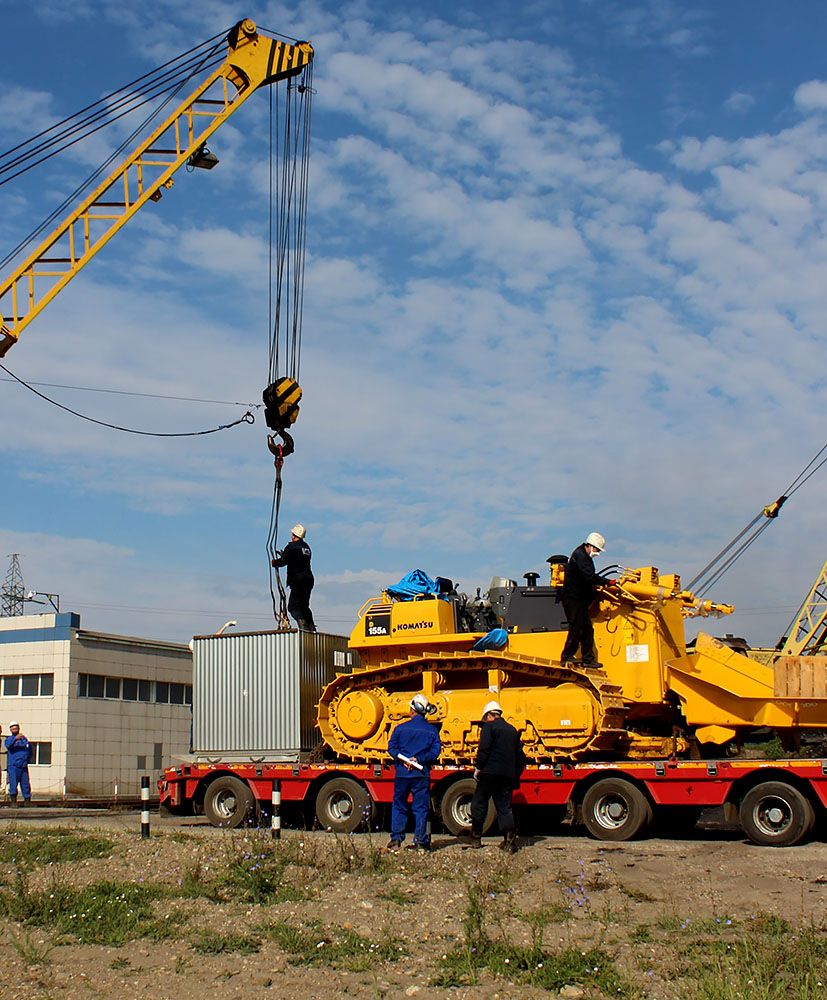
{"type": "Point", "coordinates": [614, 809]}
{"type": "Point", "coordinates": [343, 805]}
{"type": "Point", "coordinates": [229, 802]}
{"type": "Point", "coordinates": [775, 814]}
{"type": "Point", "coordinates": [455, 808]}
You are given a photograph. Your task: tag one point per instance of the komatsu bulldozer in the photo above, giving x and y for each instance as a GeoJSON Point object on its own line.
{"type": "Point", "coordinates": [649, 697]}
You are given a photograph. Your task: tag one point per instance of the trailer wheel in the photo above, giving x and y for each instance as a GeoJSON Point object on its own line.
{"type": "Point", "coordinates": [775, 814]}
{"type": "Point", "coordinates": [455, 808]}
{"type": "Point", "coordinates": [229, 802]}
{"type": "Point", "coordinates": [614, 809]}
{"type": "Point", "coordinates": [343, 805]}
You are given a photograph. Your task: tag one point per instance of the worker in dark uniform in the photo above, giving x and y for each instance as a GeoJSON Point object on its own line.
{"type": "Point", "coordinates": [296, 557]}
{"type": "Point", "coordinates": [500, 762]}
{"type": "Point", "coordinates": [578, 595]}
{"type": "Point", "coordinates": [414, 746]}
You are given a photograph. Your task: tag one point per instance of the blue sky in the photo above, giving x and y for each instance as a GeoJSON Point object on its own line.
{"type": "Point", "coordinates": [566, 271]}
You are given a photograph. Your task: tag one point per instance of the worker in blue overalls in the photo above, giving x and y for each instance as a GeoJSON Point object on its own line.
{"type": "Point", "coordinates": [414, 746]}
{"type": "Point", "coordinates": [19, 752]}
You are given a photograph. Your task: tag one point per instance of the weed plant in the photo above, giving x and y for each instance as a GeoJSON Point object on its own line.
{"type": "Point", "coordinates": [211, 943]}
{"type": "Point", "coordinates": [313, 944]}
{"type": "Point", "coordinates": [107, 913]}
{"type": "Point", "coordinates": [28, 849]}
{"type": "Point", "coordinates": [531, 964]}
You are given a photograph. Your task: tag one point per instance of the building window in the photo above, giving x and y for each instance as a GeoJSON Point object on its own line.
{"type": "Point", "coordinates": [28, 685]}
{"type": "Point", "coordinates": [123, 688]}
{"type": "Point", "coordinates": [41, 754]}
{"type": "Point", "coordinates": [157, 756]}
{"type": "Point", "coordinates": [142, 762]}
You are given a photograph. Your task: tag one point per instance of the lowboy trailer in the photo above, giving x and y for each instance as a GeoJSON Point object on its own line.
{"type": "Point", "coordinates": [776, 802]}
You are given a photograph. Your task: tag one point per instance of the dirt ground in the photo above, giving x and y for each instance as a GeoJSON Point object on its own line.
{"type": "Point", "coordinates": [633, 901]}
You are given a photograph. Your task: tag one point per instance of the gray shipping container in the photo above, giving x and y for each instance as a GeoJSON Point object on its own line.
{"type": "Point", "coordinates": [255, 693]}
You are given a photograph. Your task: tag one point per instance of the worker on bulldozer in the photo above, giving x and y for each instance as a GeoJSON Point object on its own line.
{"type": "Point", "coordinates": [578, 595]}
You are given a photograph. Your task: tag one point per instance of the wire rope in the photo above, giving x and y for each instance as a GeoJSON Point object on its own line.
{"type": "Point", "coordinates": [703, 581]}
{"type": "Point", "coordinates": [248, 417]}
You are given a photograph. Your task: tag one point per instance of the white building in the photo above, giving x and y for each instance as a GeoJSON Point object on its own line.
{"type": "Point", "coordinates": [99, 709]}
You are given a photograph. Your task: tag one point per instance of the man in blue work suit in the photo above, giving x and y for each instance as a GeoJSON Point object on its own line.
{"type": "Point", "coordinates": [19, 751]}
{"type": "Point", "coordinates": [414, 746]}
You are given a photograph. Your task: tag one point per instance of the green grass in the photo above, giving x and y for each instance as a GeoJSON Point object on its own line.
{"type": "Point", "coordinates": [28, 850]}
{"type": "Point", "coordinates": [211, 943]}
{"type": "Point", "coordinates": [592, 968]}
{"type": "Point", "coordinates": [107, 913]}
{"type": "Point", "coordinates": [761, 964]}
{"type": "Point", "coordinates": [259, 875]}
{"type": "Point", "coordinates": [313, 944]}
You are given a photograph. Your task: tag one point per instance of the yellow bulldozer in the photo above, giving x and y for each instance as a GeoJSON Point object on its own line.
{"type": "Point", "coordinates": [649, 697]}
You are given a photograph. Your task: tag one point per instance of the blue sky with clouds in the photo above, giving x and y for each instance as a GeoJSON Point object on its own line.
{"type": "Point", "coordinates": [566, 271]}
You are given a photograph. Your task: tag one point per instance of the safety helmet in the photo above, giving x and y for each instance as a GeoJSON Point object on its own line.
{"type": "Point", "coordinates": [420, 704]}
{"type": "Point", "coordinates": [14, 722]}
{"type": "Point", "coordinates": [597, 540]}
{"type": "Point", "coordinates": [297, 530]}
{"type": "Point", "coordinates": [492, 706]}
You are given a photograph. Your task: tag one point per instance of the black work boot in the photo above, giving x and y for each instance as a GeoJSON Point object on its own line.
{"type": "Point", "coordinates": [509, 844]}
{"type": "Point", "coordinates": [473, 840]}
{"type": "Point", "coordinates": [12, 800]}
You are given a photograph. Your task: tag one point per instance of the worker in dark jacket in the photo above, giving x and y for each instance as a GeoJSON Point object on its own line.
{"type": "Point", "coordinates": [19, 753]}
{"type": "Point", "coordinates": [578, 595]}
{"type": "Point", "coordinates": [500, 762]}
{"type": "Point", "coordinates": [296, 557]}
{"type": "Point", "coordinates": [414, 746]}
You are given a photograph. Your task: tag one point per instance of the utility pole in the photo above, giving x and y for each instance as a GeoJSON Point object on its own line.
{"type": "Point", "coordinates": [13, 593]}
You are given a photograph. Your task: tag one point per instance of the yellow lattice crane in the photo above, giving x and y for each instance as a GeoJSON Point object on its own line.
{"type": "Point", "coordinates": [253, 60]}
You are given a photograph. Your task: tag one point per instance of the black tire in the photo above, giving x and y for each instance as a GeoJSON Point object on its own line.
{"type": "Point", "coordinates": [774, 814]}
{"type": "Point", "coordinates": [455, 808]}
{"type": "Point", "coordinates": [229, 802]}
{"type": "Point", "coordinates": [614, 809]}
{"type": "Point", "coordinates": [343, 806]}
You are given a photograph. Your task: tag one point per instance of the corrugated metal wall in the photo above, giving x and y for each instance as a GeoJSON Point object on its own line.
{"type": "Point", "coordinates": [255, 693]}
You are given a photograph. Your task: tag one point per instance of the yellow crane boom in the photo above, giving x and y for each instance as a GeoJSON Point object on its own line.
{"type": "Point", "coordinates": [253, 60]}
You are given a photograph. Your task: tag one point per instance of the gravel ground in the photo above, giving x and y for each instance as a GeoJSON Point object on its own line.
{"type": "Point", "coordinates": [599, 895]}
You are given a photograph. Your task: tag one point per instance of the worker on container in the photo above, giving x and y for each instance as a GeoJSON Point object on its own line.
{"type": "Point", "coordinates": [499, 764]}
{"type": "Point", "coordinates": [578, 595]}
{"type": "Point", "coordinates": [296, 557]}
{"type": "Point", "coordinates": [19, 753]}
{"type": "Point", "coordinates": [414, 746]}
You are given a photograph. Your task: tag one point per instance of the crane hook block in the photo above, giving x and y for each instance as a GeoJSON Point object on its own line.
{"type": "Point", "coordinates": [281, 403]}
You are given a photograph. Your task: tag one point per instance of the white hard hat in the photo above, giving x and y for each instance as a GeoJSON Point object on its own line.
{"type": "Point", "coordinates": [597, 540]}
{"type": "Point", "coordinates": [420, 704]}
{"type": "Point", "coordinates": [297, 530]}
{"type": "Point", "coordinates": [14, 722]}
{"type": "Point", "coordinates": [492, 706]}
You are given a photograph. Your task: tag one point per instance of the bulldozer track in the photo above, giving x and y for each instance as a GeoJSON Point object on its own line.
{"type": "Point", "coordinates": [610, 734]}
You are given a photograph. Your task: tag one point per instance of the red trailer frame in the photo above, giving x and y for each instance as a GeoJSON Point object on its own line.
{"type": "Point", "coordinates": [777, 802]}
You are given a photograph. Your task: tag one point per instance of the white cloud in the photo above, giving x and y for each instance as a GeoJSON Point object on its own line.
{"type": "Point", "coordinates": [739, 102]}
{"type": "Point", "coordinates": [812, 96]}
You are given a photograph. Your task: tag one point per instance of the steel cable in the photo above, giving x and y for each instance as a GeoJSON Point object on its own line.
{"type": "Point", "coordinates": [248, 417]}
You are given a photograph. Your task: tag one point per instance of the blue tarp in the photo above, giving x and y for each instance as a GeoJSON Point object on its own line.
{"type": "Point", "coordinates": [414, 584]}
{"type": "Point", "coordinates": [495, 639]}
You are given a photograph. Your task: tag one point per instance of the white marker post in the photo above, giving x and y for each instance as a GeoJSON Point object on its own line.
{"type": "Point", "coordinates": [144, 807]}
{"type": "Point", "coordinates": [275, 812]}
